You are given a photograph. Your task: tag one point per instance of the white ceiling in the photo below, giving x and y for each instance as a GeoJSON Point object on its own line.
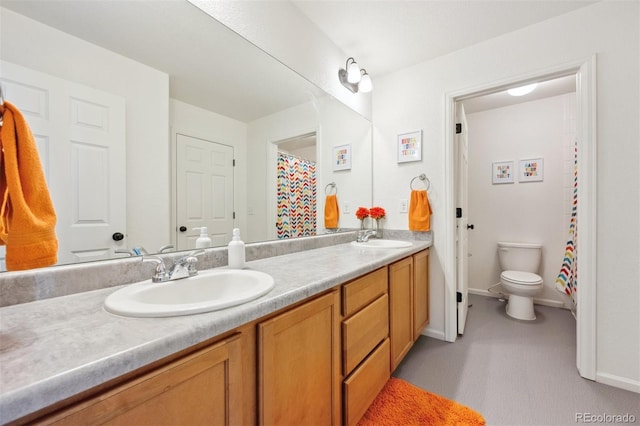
{"type": "Point", "coordinates": [388, 35]}
{"type": "Point", "coordinates": [383, 36]}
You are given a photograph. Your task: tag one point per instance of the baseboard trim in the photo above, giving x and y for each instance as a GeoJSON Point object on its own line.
{"type": "Point", "coordinates": [544, 302]}
{"type": "Point", "coordinates": [436, 334]}
{"type": "Point", "coordinates": [618, 382]}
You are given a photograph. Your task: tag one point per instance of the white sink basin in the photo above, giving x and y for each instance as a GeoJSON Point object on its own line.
{"type": "Point", "coordinates": [379, 243]}
{"type": "Point", "coordinates": [208, 291]}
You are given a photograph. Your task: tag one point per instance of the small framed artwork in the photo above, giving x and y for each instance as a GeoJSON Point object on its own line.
{"type": "Point", "coordinates": [531, 170]}
{"type": "Point", "coordinates": [342, 157]}
{"type": "Point", "coordinates": [502, 172]}
{"type": "Point", "coordinates": [410, 147]}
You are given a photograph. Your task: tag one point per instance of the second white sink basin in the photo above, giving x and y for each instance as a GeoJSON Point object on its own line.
{"type": "Point", "coordinates": [379, 243]}
{"type": "Point", "coordinates": [210, 290]}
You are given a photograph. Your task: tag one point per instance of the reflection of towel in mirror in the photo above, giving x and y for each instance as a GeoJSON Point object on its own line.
{"type": "Point", "coordinates": [331, 212]}
{"type": "Point", "coordinates": [419, 211]}
{"type": "Point", "coordinates": [27, 216]}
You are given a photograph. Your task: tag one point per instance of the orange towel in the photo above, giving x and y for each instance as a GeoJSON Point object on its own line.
{"type": "Point", "coordinates": [331, 212]}
{"type": "Point", "coordinates": [419, 211]}
{"type": "Point", "coordinates": [27, 216]}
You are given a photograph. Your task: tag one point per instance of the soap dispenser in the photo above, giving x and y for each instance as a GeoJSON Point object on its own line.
{"type": "Point", "coordinates": [203, 240]}
{"type": "Point", "coordinates": [236, 251]}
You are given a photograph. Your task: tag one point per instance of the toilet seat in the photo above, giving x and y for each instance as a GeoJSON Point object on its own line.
{"type": "Point", "coordinates": [521, 278]}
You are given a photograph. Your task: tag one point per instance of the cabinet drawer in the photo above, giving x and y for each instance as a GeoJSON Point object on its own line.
{"type": "Point", "coordinates": [362, 387]}
{"type": "Point", "coordinates": [363, 331]}
{"type": "Point", "coordinates": [363, 290]}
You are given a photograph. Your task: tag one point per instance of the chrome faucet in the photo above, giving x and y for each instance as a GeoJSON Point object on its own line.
{"type": "Point", "coordinates": [363, 236]}
{"type": "Point", "coordinates": [182, 268]}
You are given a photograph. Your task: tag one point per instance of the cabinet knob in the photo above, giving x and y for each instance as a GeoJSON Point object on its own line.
{"type": "Point", "coordinates": [183, 229]}
{"type": "Point", "coordinates": [117, 236]}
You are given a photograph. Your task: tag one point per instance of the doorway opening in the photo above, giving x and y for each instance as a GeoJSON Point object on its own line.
{"type": "Point", "coordinates": [296, 187]}
{"type": "Point", "coordinates": [584, 72]}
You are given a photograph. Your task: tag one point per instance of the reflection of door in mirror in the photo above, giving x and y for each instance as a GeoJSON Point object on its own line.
{"type": "Point", "coordinates": [80, 136]}
{"type": "Point", "coordinates": [296, 192]}
{"type": "Point", "coordinates": [204, 191]}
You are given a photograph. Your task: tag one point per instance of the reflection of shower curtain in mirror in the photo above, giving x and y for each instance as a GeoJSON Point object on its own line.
{"type": "Point", "coordinates": [567, 280]}
{"type": "Point", "coordinates": [296, 210]}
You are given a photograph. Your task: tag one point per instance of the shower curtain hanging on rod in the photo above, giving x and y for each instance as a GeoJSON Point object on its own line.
{"type": "Point", "coordinates": [567, 281]}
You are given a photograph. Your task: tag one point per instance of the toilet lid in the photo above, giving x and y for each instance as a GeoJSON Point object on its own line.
{"type": "Point", "coordinates": [520, 277]}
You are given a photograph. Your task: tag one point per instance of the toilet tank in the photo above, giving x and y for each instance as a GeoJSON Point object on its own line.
{"type": "Point", "coordinates": [524, 257]}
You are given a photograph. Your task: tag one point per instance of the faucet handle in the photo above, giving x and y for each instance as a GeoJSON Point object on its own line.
{"type": "Point", "coordinates": [160, 273]}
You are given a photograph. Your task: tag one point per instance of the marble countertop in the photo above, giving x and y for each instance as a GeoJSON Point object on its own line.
{"type": "Point", "coordinates": [56, 348]}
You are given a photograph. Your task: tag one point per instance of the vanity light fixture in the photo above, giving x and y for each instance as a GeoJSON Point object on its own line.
{"type": "Point", "coordinates": [354, 78]}
{"type": "Point", "coordinates": [523, 90]}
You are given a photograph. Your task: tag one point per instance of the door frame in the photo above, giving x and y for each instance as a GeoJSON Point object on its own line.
{"type": "Point", "coordinates": [272, 174]}
{"type": "Point", "coordinates": [585, 71]}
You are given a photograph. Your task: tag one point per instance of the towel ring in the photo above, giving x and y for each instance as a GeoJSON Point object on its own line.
{"type": "Point", "coordinates": [332, 185]}
{"type": "Point", "coordinates": [424, 179]}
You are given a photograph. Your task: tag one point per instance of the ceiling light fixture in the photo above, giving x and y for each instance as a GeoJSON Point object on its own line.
{"type": "Point", "coordinates": [524, 90]}
{"type": "Point", "coordinates": [354, 78]}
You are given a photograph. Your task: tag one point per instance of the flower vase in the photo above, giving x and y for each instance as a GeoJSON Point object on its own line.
{"type": "Point", "coordinates": [362, 227]}
{"type": "Point", "coordinates": [378, 228]}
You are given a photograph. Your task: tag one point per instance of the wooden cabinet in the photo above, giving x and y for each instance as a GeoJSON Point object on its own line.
{"type": "Point", "coordinates": [365, 342]}
{"type": "Point", "coordinates": [202, 388]}
{"type": "Point", "coordinates": [400, 309]}
{"type": "Point", "coordinates": [365, 383]}
{"type": "Point", "coordinates": [408, 303]}
{"type": "Point", "coordinates": [299, 365]}
{"type": "Point", "coordinates": [420, 292]}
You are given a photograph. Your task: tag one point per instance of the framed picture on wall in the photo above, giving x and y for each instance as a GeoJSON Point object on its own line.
{"type": "Point", "coordinates": [531, 170]}
{"type": "Point", "coordinates": [342, 157]}
{"type": "Point", "coordinates": [502, 172]}
{"type": "Point", "coordinates": [410, 147]}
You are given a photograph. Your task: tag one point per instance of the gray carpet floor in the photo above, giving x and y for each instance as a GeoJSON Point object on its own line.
{"type": "Point", "coordinates": [515, 372]}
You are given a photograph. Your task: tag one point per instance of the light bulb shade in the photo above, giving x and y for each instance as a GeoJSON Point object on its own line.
{"type": "Point", "coordinates": [365, 85]}
{"type": "Point", "coordinates": [353, 72]}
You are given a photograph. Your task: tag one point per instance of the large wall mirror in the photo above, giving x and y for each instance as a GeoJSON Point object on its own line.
{"type": "Point", "coordinates": [153, 119]}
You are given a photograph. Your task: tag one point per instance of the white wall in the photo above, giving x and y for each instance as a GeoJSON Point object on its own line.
{"type": "Point", "coordinates": [297, 43]}
{"type": "Point", "coordinates": [521, 211]}
{"type": "Point", "coordinates": [28, 43]}
{"type": "Point", "coordinates": [413, 98]}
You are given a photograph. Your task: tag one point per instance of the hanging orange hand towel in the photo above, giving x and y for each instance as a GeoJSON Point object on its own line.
{"type": "Point", "coordinates": [419, 211]}
{"type": "Point", "coordinates": [331, 212]}
{"type": "Point", "coordinates": [27, 216]}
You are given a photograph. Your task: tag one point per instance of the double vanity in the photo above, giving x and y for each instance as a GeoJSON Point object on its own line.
{"type": "Point", "coordinates": [316, 348]}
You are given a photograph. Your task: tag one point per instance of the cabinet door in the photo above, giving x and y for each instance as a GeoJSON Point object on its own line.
{"type": "Point", "coordinates": [400, 309]}
{"type": "Point", "coordinates": [202, 388]}
{"type": "Point", "coordinates": [299, 365]}
{"type": "Point", "coordinates": [420, 292]}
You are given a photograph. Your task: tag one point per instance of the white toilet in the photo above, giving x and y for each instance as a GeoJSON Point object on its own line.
{"type": "Point", "coordinates": [520, 263]}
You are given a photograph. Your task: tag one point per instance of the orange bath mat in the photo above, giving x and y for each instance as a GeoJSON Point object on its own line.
{"type": "Point", "coordinates": [401, 403]}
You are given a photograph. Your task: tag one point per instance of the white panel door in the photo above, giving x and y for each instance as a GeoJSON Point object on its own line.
{"type": "Point", "coordinates": [204, 191]}
{"type": "Point", "coordinates": [80, 134]}
{"type": "Point", "coordinates": [462, 241]}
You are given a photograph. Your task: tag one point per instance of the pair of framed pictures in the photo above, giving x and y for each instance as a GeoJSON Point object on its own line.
{"type": "Point", "coordinates": [529, 170]}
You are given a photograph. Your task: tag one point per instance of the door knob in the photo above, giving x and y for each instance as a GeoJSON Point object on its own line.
{"type": "Point", "coordinates": [117, 236]}
{"type": "Point", "coordinates": [183, 229]}
{"type": "Point", "coordinates": [469, 226]}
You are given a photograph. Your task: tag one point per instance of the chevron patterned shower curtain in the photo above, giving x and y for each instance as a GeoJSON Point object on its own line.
{"type": "Point", "coordinates": [567, 281]}
{"type": "Point", "coordinates": [296, 207]}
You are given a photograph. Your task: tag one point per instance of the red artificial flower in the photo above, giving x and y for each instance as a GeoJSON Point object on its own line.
{"type": "Point", "coordinates": [362, 213]}
{"type": "Point", "coordinates": [377, 212]}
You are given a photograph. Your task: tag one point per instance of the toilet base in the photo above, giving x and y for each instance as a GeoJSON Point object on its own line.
{"type": "Point", "coordinates": [521, 307]}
